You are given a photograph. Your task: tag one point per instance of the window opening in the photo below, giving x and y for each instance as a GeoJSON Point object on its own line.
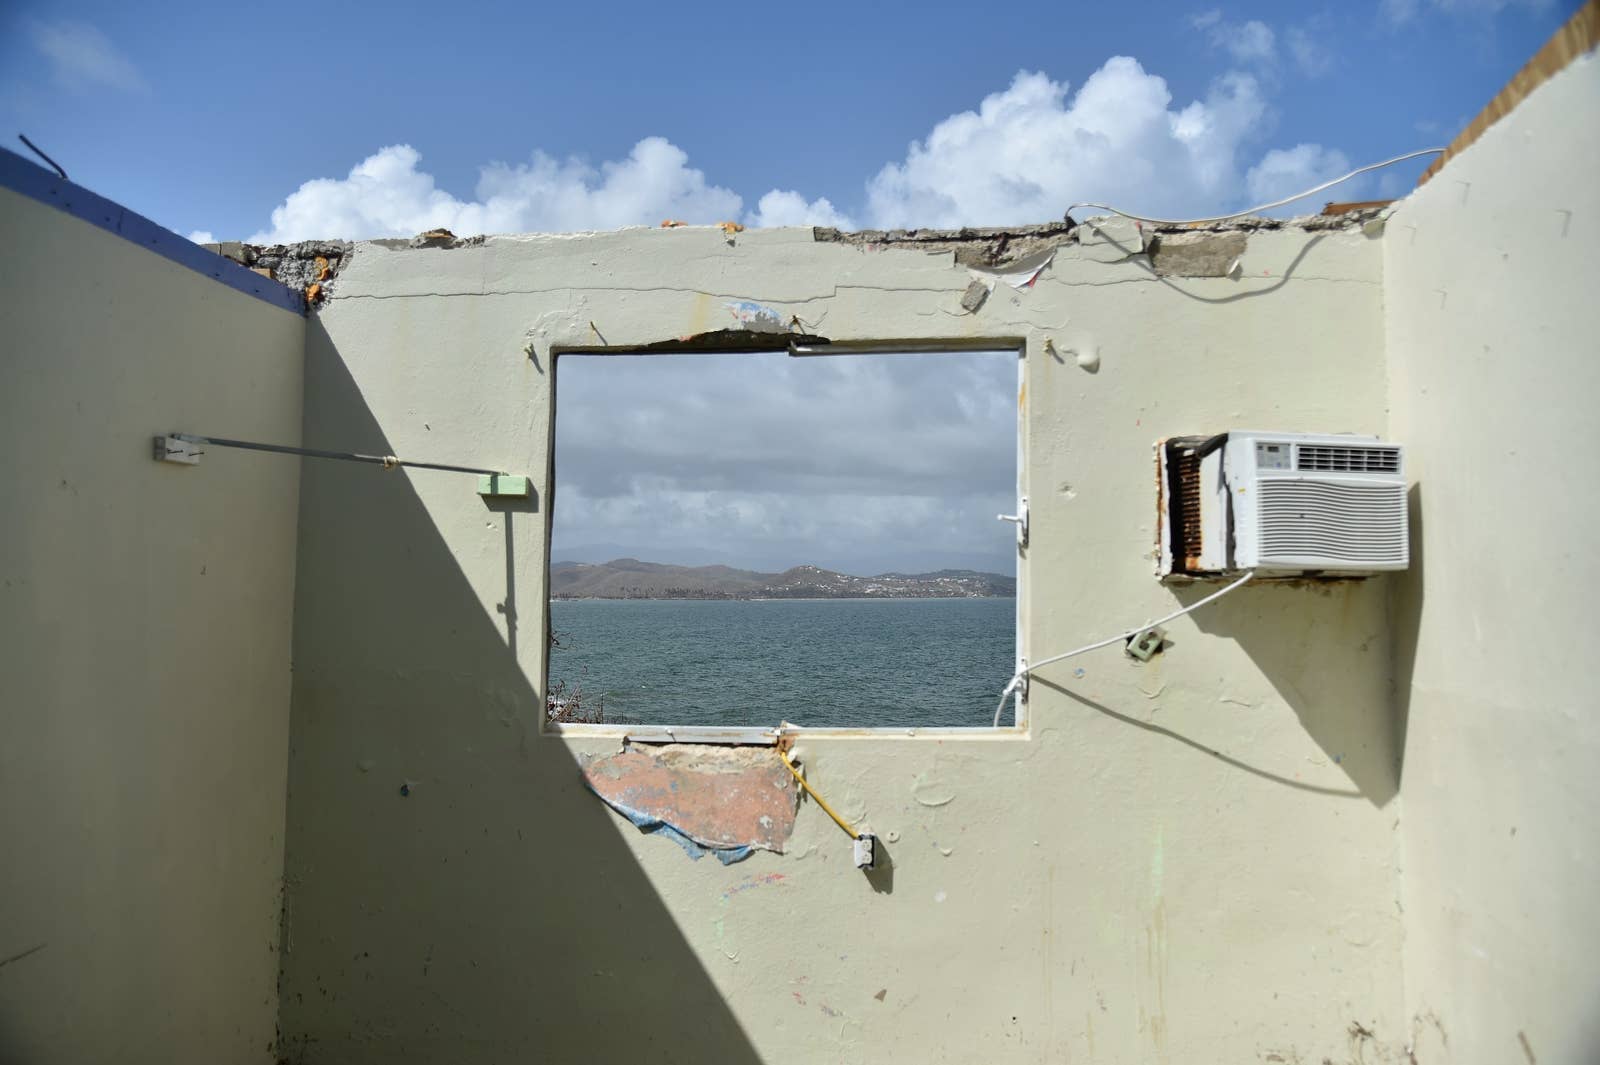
{"type": "Point", "coordinates": [741, 539]}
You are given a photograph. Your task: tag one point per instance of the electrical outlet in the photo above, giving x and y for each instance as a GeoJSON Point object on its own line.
{"type": "Point", "coordinates": [866, 852]}
{"type": "Point", "coordinates": [1147, 643]}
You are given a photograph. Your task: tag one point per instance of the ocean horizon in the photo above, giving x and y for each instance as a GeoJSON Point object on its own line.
{"type": "Point", "coordinates": [875, 662]}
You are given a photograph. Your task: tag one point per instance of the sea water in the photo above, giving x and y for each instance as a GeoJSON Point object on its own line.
{"type": "Point", "coordinates": [835, 662]}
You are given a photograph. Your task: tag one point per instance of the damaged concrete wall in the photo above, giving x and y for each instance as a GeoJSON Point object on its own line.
{"type": "Point", "coordinates": [144, 672]}
{"type": "Point", "coordinates": [1192, 859]}
{"type": "Point", "coordinates": [1490, 281]}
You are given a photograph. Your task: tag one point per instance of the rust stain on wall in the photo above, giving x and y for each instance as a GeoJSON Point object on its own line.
{"type": "Point", "coordinates": [724, 799]}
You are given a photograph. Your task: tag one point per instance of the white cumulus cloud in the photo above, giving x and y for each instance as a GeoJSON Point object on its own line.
{"type": "Point", "coordinates": [1286, 171]}
{"type": "Point", "coordinates": [1026, 153]}
{"type": "Point", "coordinates": [387, 195]}
{"type": "Point", "coordinates": [1023, 155]}
{"type": "Point", "coordinates": [81, 57]}
{"type": "Point", "coordinates": [202, 236]}
{"type": "Point", "coordinates": [1247, 42]}
{"type": "Point", "coordinates": [783, 207]}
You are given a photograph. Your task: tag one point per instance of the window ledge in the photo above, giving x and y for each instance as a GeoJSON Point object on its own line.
{"type": "Point", "coordinates": [755, 736]}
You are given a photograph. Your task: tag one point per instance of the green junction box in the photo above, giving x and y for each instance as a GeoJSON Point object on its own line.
{"type": "Point", "coordinates": [503, 486]}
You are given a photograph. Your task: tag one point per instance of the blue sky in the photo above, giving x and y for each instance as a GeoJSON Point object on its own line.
{"type": "Point", "coordinates": [275, 123]}
{"type": "Point", "coordinates": [208, 117]}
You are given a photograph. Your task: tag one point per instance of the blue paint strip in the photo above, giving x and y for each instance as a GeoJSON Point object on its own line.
{"type": "Point", "coordinates": [651, 824]}
{"type": "Point", "coordinates": [35, 182]}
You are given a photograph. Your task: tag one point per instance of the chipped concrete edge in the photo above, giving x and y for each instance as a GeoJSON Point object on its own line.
{"type": "Point", "coordinates": [1205, 250]}
{"type": "Point", "coordinates": [309, 266]}
{"type": "Point", "coordinates": [1193, 250]}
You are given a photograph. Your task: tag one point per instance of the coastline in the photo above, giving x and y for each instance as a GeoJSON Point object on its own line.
{"type": "Point", "coordinates": [759, 598]}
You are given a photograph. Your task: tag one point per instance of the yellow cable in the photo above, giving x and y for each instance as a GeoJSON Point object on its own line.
{"type": "Point", "coordinates": [852, 833]}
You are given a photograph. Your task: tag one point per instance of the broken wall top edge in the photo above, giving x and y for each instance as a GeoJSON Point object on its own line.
{"type": "Point", "coordinates": [928, 238]}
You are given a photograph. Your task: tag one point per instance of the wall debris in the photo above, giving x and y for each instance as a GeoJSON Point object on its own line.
{"type": "Point", "coordinates": [975, 295]}
{"type": "Point", "coordinates": [296, 265]}
{"type": "Point", "coordinates": [986, 249]}
{"type": "Point", "coordinates": [1184, 251]}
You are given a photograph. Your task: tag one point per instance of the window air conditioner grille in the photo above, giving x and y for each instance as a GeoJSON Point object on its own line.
{"type": "Point", "coordinates": [1189, 525]}
{"type": "Point", "coordinates": [1356, 524]}
{"type": "Point", "coordinates": [1336, 459]}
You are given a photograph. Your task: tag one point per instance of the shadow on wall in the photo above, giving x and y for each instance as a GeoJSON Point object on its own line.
{"type": "Point", "coordinates": [1324, 648]}
{"type": "Point", "coordinates": [1284, 278]}
{"type": "Point", "coordinates": [1244, 765]}
{"type": "Point", "coordinates": [1405, 612]}
{"type": "Point", "coordinates": [453, 893]}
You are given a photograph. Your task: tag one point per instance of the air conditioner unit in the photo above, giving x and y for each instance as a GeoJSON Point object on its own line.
{"type": "Point", "coordinates": [1281, 503]}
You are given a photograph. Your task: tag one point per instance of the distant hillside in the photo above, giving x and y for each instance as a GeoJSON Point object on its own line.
{"type": "Point", "coordinates": [628, 578]}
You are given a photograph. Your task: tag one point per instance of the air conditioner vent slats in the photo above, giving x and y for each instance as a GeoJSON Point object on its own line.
{"type": "Point", "coordinates": [1353, 523]}
{"type": "Point", "coordinates": [1345, 459]}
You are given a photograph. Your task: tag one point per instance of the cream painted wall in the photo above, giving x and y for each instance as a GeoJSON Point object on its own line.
{"type": "Point", "coordinates": [144, 670]}
{"type": "Point", "coordinates": [1491, 275]}
{"type": "Point", "coordinates": [1193, 860]}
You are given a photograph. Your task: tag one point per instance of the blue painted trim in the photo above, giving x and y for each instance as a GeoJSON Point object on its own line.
{"type": "Point", "coordinates": [35, 182]}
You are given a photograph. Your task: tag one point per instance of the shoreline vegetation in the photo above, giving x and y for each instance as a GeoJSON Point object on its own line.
{"type": "Point", "coordinates": [756, 598]}
{"type": "Point", "coordinates": [628, 578]}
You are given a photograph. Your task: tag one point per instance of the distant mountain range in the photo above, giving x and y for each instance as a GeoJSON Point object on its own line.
{"type": "Point", "coordinates": [628, 578]}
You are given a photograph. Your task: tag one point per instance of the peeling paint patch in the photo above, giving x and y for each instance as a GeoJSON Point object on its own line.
{"type": "Point", "coordinates": [1019, 274]}
{"type": "Point", "coordinates": [723, 801]}
{"type": "Point", "coordinates": [1196, 254]}
{"type": "Point", "coordinates": [755, 318]}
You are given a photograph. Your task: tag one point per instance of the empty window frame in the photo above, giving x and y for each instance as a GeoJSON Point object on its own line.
{"type": "Point", "coordinates": [744, 539]}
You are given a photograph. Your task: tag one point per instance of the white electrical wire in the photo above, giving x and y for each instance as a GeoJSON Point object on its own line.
{"type": "Point", "coordinates": [1260, 207]}
{"type": "Point", "coordinates": [1016, 678]}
